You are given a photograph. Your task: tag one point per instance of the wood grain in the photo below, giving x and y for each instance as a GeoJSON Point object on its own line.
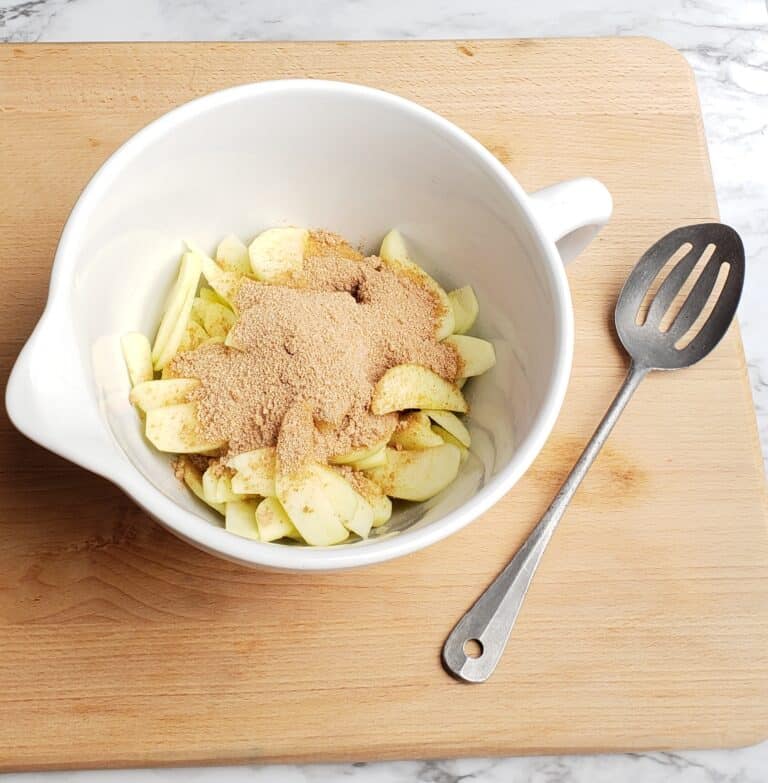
{"type": "Point", "coordinates": [647, 626]}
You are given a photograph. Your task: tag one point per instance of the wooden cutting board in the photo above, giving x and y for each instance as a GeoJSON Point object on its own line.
{"type": "Point", "coordinates": [647, 625]}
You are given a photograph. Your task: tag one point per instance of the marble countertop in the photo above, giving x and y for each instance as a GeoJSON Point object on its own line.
{"type": "Point", "coordinates": [726, 43]}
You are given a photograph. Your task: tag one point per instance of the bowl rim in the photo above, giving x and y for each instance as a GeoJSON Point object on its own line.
{"type": "Point", "coordinates": [196, 529]}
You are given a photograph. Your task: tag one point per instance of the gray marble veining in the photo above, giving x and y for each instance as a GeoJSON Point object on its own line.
{"type": "Point", "coordinates": [726, 44]}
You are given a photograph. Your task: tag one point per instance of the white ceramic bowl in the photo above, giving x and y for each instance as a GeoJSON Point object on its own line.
{"type": "Point", "coordinates": [320, 154]}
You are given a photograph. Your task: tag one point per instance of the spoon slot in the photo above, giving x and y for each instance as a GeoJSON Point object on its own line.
{"type": "Point", "coordinates": [709, 287]}
{"type": "Point", "coordinates": [661, 276]}
{"type": "Point", "coordinates": [681, 282]}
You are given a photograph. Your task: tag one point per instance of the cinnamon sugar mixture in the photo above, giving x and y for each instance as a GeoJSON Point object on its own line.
{"type": "Point", "coordinates": [306, 356]}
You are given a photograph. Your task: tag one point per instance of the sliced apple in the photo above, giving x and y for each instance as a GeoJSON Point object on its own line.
{"type": "Point", "coordinates": [240, 519]}
{"type": "Point", "coordinates": [460, 382]}
{"type": "Point", "coordinates": [477, 356]}
{"type": "Point", "coordinates": [157, 394]}
{"type": "Point", "coordinates": [413, 386]}
{"type": "Point", "coordinates": [372, 460]}
{"type": "Point", "coordinates": [453, 424]}
{"type": "Point", "coordinates": [343, 496]}
{"type": "Point", "coordinates": [137, 353]}
{"type": "Point", "coordinates": [415, 432]}
{"type": "Point", "coordinates": [217, 319]}
{"type": "Point", "coordinates": [354, 510]}
{"type": "Point", "coordinates": [222, 281]}
{"type": "Point", "coordinates": [273, 522]}
{"type": "Point", "coordinates": [194, 336]}
{"type": "Point", "coordinates": [193, 479]}
{"type": "Point", "coordinates": [277, 253]}
{"type": "Point", "coordinates": [417, 475]}
{"type": "Point", "coordinates": [177, 310]}
{"type": "Point", "coordinates": [380, 503]}
{"type": "Point", "coordinates": [382, 510]}
{"type": "Point", "coordinates": [225, 491]}
{"type": "Point", "coordinates": [210, 483]}
{"type": "Point", "coordinates": [446, 437]}
{"type": "Point", "coordinates": [177, 335]}
{"type": "Point", "coordinates": [196, 313]}
{"type": "Point", "coordinates": [362, 520]}
{"type": "Point", "coordinates": [218, 487]}
{"type": "Point", "coordinates": [310, 500]}
{"type": "Point", "coordinates": [232, 255]}
{"type": "Point", "coordinates": [176, 429]}
{"type": "Point", "coordinates": [362, 453]}
{"type": "Point", "coordinates": [465, 308]}
{"type": "Point", "coordinates": [209, 295]}
{"type": "Point", "coordinates": [394, 253]}
{"type": "Point", "coordinates": [254, 472]}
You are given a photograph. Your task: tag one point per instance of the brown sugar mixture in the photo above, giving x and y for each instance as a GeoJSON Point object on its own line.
{"type": "Point", "coordinates": [306, 356]}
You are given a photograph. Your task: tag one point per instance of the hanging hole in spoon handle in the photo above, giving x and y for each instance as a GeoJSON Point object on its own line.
{"type": "Point", "coordinates": [475, 645]}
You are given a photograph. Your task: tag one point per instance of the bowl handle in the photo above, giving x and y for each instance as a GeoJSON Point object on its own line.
{"type": "Point", "coordinates": [49, 401]}
{"type": "Point", "coordinates": [572, 212]}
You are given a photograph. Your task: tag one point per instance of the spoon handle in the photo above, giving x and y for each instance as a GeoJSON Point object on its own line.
{"type": "Point", "coordinates": [490, 620]}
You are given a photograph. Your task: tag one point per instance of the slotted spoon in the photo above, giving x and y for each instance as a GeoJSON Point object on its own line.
{"type": "Point", "coordinates": [475, 645]}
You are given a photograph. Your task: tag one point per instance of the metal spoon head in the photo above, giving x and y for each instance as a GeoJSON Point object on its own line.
{"type": "Point", "coordinates": [677, 345]}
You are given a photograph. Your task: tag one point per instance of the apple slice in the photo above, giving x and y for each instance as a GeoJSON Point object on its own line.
{"type": "Point", "coordinates": [273, 522]}
{"type": "Point", "coordinates": [382, 510]}
{"type": "Point", "coordinates": [217, 319]}
{"type": "Point", "coordinates": [157, 394]}
{"type": "Point", "coordinates": [465, 308]}
{"type": "Point", "coordinates": [209, 295]}
{"type": "Point", "coordinates": [417, 475]}
{"type": "Point", "coordinates": [194, 336]}
{"type": "Point", "coordinates": [351, 508]}
{"type": "Point", "coordinates": [310, 500]}
{"type": "Point", "coordinates": [232, 255]}
{"type": "Point", "coordinates": [193, 479]}
{"type": "Point", "coordinates": [380, 503]}
{"type": "Point", "coordinates": [446, 437]}
{"type": "Point", "coordinates": [225, 491]}
{"type": "Point", "coordinates": [176, 337]}
{"type": "Point", "coordinates": [415, 432]}
{"type": "Point", "coordinates": [137, 353]}
{"type": "Point", "coordinates": [372, 460]}
{"type": "Point", "coordinates": [222, 281]}
{"type": "Point", "coordinates": [453, 424]}
{"type": "Point", "coordinates": [277, 253]}
{"type": "Point", "coordinates": [217, 487]}
{"type": "Point", "coordinates": [196, 313]}
{"type": "Point", "coordinates": [394, 254]}
{"type": "Point", "coordinates": [254, 472]}
{"type": "Point", "coordinates": [354, 510]}
{"type": "Point", "coordinates": [362, 520]}
{"type": "Point", "coordinates": [359, 454]}
{"type": "Point", "coordinates": [177, 310]}
{"type": "Point", "coordinates": [477, 356]}
{"type": "Point", "coordinates": [240, 519]}
{"type": "Point", "coordinates": [210, 482]}
{"type": "Point", "coordinates": [176, 429]}
{"type": "Point", "coordinates": [413, 386]}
